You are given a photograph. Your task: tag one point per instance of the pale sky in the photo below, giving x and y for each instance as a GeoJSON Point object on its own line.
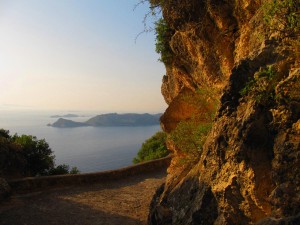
{"type": "Point", "coordinates": [78, 55]}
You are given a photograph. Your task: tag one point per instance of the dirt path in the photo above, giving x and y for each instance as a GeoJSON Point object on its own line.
{"type": "Point", "coordinates": [123, 202]}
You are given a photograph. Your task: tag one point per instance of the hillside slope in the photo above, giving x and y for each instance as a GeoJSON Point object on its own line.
{"type": "Point", "coordinates": [112, 119]}
{"type": "Point", "coordinates": [127, 119]}
{"type": "Point", "coordinates": [245, 54]}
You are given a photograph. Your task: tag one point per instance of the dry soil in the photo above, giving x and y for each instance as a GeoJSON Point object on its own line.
{"type": "Point", "coordinates": [122, 202]}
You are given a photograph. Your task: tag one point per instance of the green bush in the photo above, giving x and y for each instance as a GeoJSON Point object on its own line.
{"type": "Point", "coordinates": [59, 170]}
{"type": "Point", "coordinates": [74, 170]}
{"type": "Point", "coordinates": [12, 163]}
{"type": "Point", "coordinates": [205, 97]}
{"type": "Point", "coordinates": [262, 86]}
{"type": "Point", "coordinates": [163, 38]}
{"type": "Point", "coordinates": [248, 87]}
{"type": "Point", "coordinates": [37, 154]}
{"type": "Point", "coordinates": [4, 133]}
{"type": "Point", "coordinates": [189, 137]}
{"type": "Point", "coordinates": [152, 148]}
{"type": "Point", "coordinates": [25, 155]}
{"type": "Point", "coordinates": [283, 16]}
{"type": "Point", "coordinates": [162, 31]}
{"type": "Point", "coordinates": [63, 169]}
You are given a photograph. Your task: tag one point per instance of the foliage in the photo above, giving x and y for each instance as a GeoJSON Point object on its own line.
{"type": "Point", "coordinates": [262, 86]}
{"type": "Point", "coordinates": [206, 98]}
{"type": "Point", "coordinates": [162, 31]}
{"type": "Point", "coordinates": [4, 133]}
{"type": "Point", "coordinates": [25, 155]}
{"type": "Point", "coordinates": [154, 13]}
{"type": "Point", "coordinates": [59, 170]}
{"type": "Point", "coordinates": [63, 169]}
{"type": "Point", "coordinates": [11, 161]}
{"type": "Point", "coordinates": [37, 154]}
{"type": "Point", "coordinates": [74, 170]}
{"type": "Point", "coordinates": [152, 148]}
{"type": "Point", "coordinates": [163, 37]}
{"type": "Point", "coordinates": [283, 16]}
{"type": "Point", "coordinates": [248, 87]}
{"type": "Point", "coordinates": [189, 137]}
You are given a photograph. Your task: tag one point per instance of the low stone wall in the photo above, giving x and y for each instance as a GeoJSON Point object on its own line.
{"type": "Point", "coordinates": [35, 183]}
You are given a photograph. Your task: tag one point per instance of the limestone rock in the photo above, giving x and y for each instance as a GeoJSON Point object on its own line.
{"type": "Point", "coordinates": [249, 169]}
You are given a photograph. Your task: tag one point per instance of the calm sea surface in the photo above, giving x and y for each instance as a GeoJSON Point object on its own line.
{"type": "Point", "coordinates": [89, 148]}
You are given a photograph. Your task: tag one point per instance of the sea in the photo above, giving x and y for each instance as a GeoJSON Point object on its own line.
{"type": "Point", "coordinates": [90, 149]}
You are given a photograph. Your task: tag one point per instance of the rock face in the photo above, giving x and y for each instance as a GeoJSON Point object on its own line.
{"type": "Point", "coordinates": [248, 171]}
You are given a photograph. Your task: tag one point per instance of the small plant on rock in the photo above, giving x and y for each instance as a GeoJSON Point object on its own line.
{"type": "Point", "coordinates": [189, 137]}
{"type": "Point", "coordinates": [283, 16]}
{"type": "Point", "coordinates": [262, 86]}
{"type": "Point", "coordinates": [163, 38]}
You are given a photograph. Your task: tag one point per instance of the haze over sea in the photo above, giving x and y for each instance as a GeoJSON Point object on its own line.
{"type": "Point", "coordinates": [90, 149]}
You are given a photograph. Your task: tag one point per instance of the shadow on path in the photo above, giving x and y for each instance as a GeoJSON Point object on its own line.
{"type": "Point", "coordinates": [123, 202]}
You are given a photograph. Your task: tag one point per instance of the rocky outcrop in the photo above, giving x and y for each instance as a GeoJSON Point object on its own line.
{"type": "Point", "coordinates": [249, 169]}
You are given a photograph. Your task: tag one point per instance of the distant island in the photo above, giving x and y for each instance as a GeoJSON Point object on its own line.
{"type": "Point", "coordinates": [111, 119]}
{"type": "Point", "coordinates": [65, 116]}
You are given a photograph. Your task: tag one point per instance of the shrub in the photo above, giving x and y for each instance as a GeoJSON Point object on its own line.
{"type": "Point", "coordinates": [163, 38]}
{"type": "Point", "coordinates": [262, 86]}
{"type": "Point", "coordinates": [152, 148]}
{"type": "Point", "coordinates": [37, 154]}
{"type": "Point", "coordinates": [12, 163]}
{"type": "Point", "coordinates": [162, 31]}
{"type": "Point", "coordinates": [189, 137]}
{"type": "Point", "coordinates": [25, 155]}
{"type": "Point", "coordinates": [206, 99]}
{"type": "Point", "coordinates": [59, 170]}
{"type": "Point", "coordinates": [248, 87]}
{"type": "Point", "coordinates": [74, 170]}
{"type": "Point", "coordinates": [4, 133]}
{"type": "Point", "coordinates": [63, 169]}
{"type": "Point", "coordinates": [283, 16]}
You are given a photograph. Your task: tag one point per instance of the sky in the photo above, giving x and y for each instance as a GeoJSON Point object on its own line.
{"type": "Point", "coordinates": [78, 55]}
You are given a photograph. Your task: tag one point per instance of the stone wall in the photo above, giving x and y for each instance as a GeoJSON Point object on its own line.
{"type": "Point", "coordinates": [35, 183]}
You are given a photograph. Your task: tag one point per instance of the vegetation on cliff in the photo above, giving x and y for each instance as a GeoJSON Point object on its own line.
{"type": "Point", "coordinates": [189, 137]}
{"type": "Point", "coordinates": [25, 155]}
{"type": "Point", "coordinates": [152, 148]}
{"type": "Point", "coordinates": [163, 37]}
{"type": "Point", "coordinates": [283, 16]}
{"type": "Point", "coordinates": [161, 29]}
{"type": "Point", "coordinates": [262, 86]}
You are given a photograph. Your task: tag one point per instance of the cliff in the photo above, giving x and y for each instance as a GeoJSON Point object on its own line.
{"type": "Point", "coordinates": [241, 57]}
